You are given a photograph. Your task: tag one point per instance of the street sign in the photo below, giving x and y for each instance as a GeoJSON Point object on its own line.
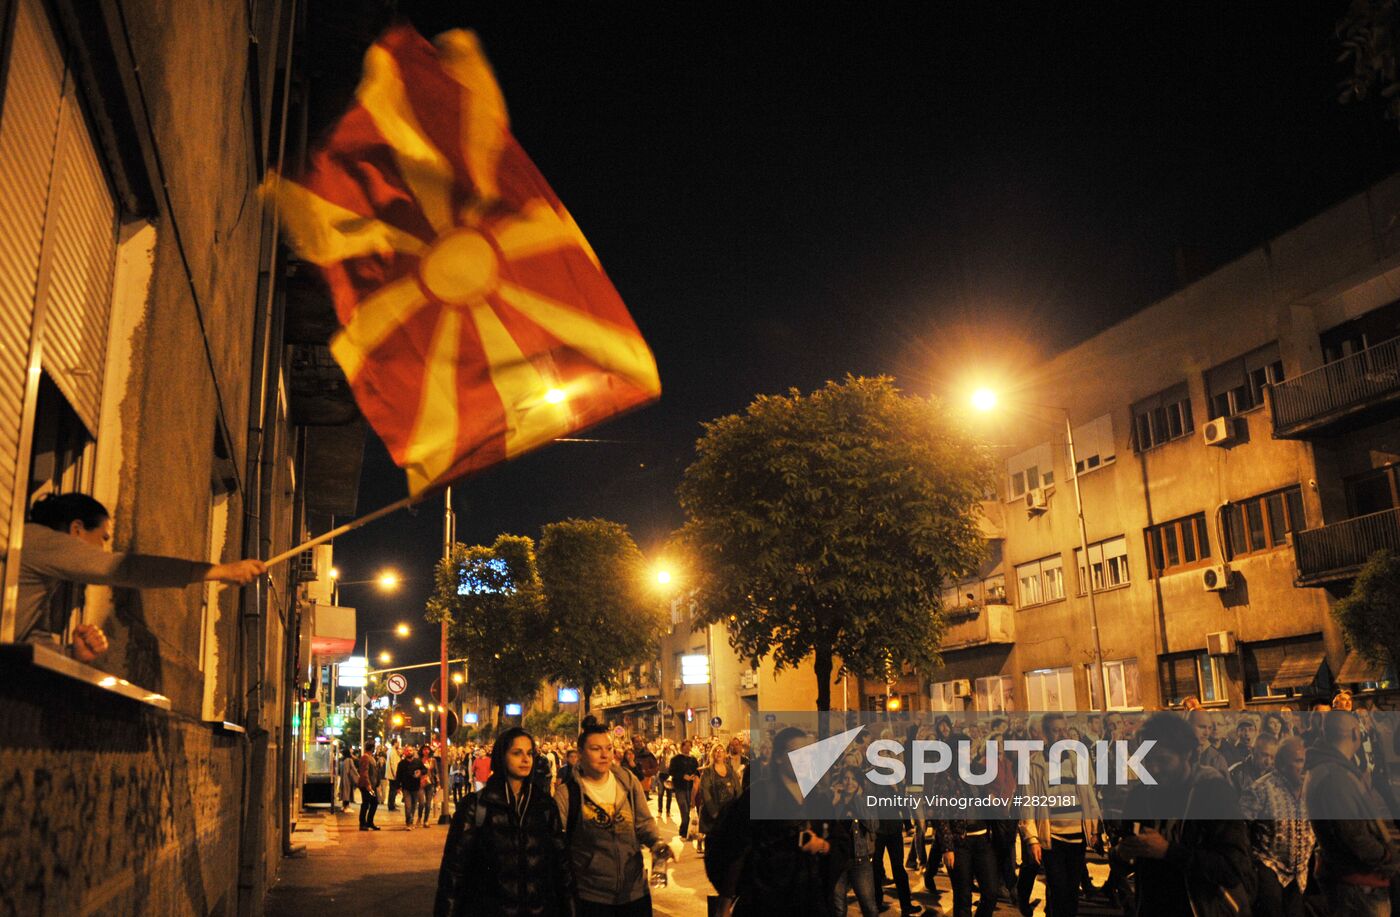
{"type": "Point", "coordinates": [362, 699]}
{"type": "Point", "coordinates": [396, 683]}
{"type": "Point", "coordinates": [715, 722]}
{"type": "Point", "coordinates": [437, 692]}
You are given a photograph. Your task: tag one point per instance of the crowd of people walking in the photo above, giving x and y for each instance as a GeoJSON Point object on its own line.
{"type": "Point", "coordinates": [1261, 813]}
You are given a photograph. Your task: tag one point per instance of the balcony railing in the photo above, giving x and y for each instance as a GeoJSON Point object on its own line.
{"type": "Point", "coordinates": [1337, 391]}
{"type": "Point", "coordinates": [1338, 550]}
{"type": "Point", "coordinates": [979, 625]}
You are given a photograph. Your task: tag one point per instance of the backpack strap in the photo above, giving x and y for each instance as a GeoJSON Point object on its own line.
{"type": "Point", "coordinates": [575, 806]}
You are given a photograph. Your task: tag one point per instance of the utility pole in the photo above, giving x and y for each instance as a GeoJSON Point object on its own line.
{"type": "Point", "coordinates": [449, 537]}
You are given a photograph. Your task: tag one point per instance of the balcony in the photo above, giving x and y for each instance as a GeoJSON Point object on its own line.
{"type": "Point", "coordinates": [1339, 395]}
{"type": "Point", "coordinates": [1335, 552]}
{"type": "Point", "coordinates": [979, 625]}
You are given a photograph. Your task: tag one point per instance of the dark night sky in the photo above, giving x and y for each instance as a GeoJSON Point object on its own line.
{"type": "Point", "coordinates": [789, 195]}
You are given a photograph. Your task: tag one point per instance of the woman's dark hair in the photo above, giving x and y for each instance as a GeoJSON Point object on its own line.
{"type": "Point", "coordinates": [59, 511]}
{"type": "Point", "coordinates": [503, 743]}
{"type": "Point", "coordinates": [591, 727]}
{"type": "Point", "coordinates": [1170, 731]}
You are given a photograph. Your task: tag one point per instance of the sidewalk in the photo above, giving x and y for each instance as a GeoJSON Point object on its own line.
{"type": "Point", "coordinates": [346, 872]}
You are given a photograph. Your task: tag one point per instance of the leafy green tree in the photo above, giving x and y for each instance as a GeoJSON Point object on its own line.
{"type": "Point", "coordinates": [824, 525]}
{"type": "Point", "coordinates": [1370, 616]}
{"type": "Point", "coordinates": [492, 599]}
{"type": "Point", "coordinates": [603, 616]}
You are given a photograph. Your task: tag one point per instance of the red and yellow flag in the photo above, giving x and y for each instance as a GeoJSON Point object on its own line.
{"type": "Point", "coordinates": [476, 321]}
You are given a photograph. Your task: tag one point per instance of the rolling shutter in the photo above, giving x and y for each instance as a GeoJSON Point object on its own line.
{"type": "Point", "coordinates": [29, 122]}
{"type": "Point", "coordinates": [78, 292]}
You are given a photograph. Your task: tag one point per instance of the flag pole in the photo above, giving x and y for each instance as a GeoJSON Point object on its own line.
{"type": "Point", "coordinates": [341, 530]}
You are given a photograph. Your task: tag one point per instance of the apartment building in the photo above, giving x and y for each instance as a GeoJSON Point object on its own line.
{"type": "Point", "coordinates": [1237, 446]}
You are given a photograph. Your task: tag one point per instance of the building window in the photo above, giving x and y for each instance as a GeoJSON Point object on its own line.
{"type": "Point", "coordinates": [1162, 418]}
{"type": "Point", "coordinates": [1237, 385]}
{"type": "Point", "coordinates": [994, 694]}
{"type": "Point", "coordinates": [1177, 545]}
{"type": "Point", "coordinates": [1050, 689]}
{"type": "Point", "coordinates": [990, 591]}
{"type": "Point", "coordinates": [1373, 492]}
{"type": "Point", "coordinates": [1285, 668]}
{"type": "Point", "coordinates": [1120, 679]}
{"type": "Point", "coordinates": [942, 699]}
{"type": "Point", "coordinates": [1093, 445]}
{"type": "Point", "coordinates": [1263, 522]}
{"type": "Point", "coordinates": [1041, 581]}
{"type": "Point", "coordinates": [1028, 471]}
{"type": "Point", "coordinates": [1108, 562]}
{"type": "Point", "coordinates": [1198, 673]}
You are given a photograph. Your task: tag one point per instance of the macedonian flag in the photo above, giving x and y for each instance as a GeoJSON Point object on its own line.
{"type": "Point", "coordinates": [476, 321]}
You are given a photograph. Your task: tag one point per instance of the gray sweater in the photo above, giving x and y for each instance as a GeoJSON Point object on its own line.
{"type": "Point", "coordinates": [607, 858]}
{"type": "Point", "coordinates": [49, 558]}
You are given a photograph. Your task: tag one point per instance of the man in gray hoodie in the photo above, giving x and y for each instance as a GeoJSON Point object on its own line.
{"type": "Point", "coordinates": [607, 822]}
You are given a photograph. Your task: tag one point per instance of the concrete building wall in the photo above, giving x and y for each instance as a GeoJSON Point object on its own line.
{"type": "Point", "coordinates": [112, 805]}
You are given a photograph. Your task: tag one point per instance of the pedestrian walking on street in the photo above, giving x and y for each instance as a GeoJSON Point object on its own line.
{"type": "Point", "coordinates": [369, 787]}
{"type": "Point", "coordinates": [607, 822]}
{"type": "Point", "coordinates": [349, 778]}
{"type": "Point", "coordinates": [410, 782]}
{"type": "Point", "coordinates": [719, 786]}
{"type": "Point", "coordinates": [685, 774]}
{"type": "Point", "coordinates": [429, 786]}
{"type": "Point", "coordinates": [391, 770]}
{"type": "Point", "coordinates": [505, 854]}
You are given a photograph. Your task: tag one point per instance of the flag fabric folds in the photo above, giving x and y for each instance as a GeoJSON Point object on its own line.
{"type": "Point", "coordinates": [476, 321]}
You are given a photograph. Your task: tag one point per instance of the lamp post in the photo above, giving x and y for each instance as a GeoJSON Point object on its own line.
{"type": "Point", "coordinates": [985, 400]}
{"type": "Point", "coordinates": [402, 630]}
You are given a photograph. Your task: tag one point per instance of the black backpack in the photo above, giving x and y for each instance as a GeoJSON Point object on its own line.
{"type": "Point", "coordinates": [728, 843]}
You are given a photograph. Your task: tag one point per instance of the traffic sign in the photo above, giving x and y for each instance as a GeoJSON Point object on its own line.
{"type": "Point", "coordinates": [436, 691]}
{"type": "Point", "coordinates": [396, 683]}
{"type": "Point", "coordinates": [362, 699]}
{"type": "Point", "coordinates": [715, 721]}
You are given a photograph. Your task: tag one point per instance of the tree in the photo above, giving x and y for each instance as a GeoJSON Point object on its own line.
{"type": "Point", "coordinates": [603, 617]}
{"type": "Point", "coordinates": [492, 599]}
{"type": "Point", "coordinates": [825, 525]}
{"type": "Point", "coordinates": [1370, 616]}
{"type": "Point", "coordinates": [1369, 36]}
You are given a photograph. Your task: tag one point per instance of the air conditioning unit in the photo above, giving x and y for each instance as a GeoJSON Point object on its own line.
{"type": "Point", "coordinates": [1037, 501]}
{"type": "Point", "coordinates": [1216, 578]}
{"type": "Point", "coordinates": [962, 688]}
{"type": "Point", "coordinates": [1221, 643]}
{"type": "Point", "coordinates": [1219, 432]}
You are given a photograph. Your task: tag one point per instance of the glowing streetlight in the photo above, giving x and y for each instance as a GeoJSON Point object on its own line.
{"type": "Point", "coordinates": [984, 399]}
{"type": "Point", "coordinates": [555, 396]}
{"type": "Point", "coordinates": [457, 678]}
{"type": "Point", "coordinates": [335, 573]}
{"type": "Point", "coordinates": [402, 630]}
{"type": "Point", "coordinates": [388, 580]}
{"type": "Point", "coordinates": [385, 658]}
{"type": "Point", "coordinates": [418, 701]}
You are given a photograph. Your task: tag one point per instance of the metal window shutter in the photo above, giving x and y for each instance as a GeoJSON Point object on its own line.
{"type": "Point", "coordinates": [79, 288]}
{"type": "Point", "coordinates": [28, 127]}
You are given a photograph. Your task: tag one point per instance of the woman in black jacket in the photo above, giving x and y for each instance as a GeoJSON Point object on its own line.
{"type": "Point", "coordinates": [505, 853]}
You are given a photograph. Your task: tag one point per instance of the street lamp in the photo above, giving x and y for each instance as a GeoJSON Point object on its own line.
{"type": "Point", "coordinates": [385, 658]}
{"type": "Point", "coordinates": [985, 400]}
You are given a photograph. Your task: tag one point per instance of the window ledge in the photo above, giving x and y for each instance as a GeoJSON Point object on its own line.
{"type": "Point", "coordinates": [41, 657]}
{"type": "Point", "coordinates": [1106, 589]}
{"type": "Point", "coordinates": [226, 726]}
